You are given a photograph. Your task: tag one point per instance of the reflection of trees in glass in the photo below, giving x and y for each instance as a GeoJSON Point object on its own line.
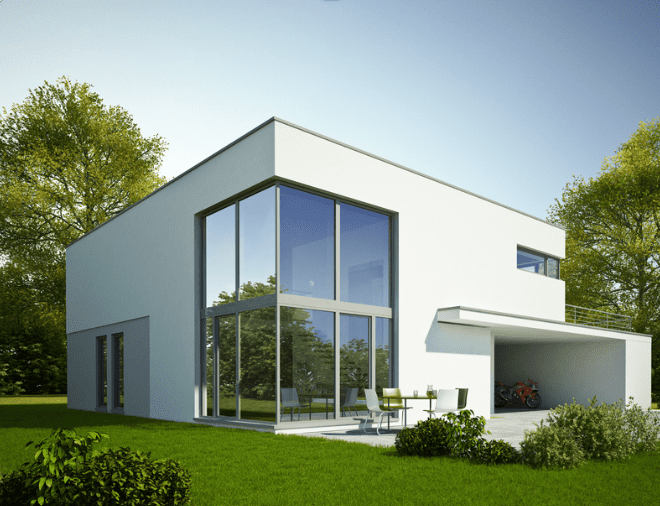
{"type": "Point", "coordinates": [306, 359]}
{"type": "Point", "coordinates": [354, 360]}
{"type": "Point", "coordinates": [382, 368]}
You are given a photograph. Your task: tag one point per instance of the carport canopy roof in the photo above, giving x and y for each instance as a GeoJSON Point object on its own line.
{"type": "Point", "coordinates": [510, 328]}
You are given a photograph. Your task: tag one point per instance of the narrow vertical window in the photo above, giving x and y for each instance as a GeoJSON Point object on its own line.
{"type": "Point", "coordinates": [221, 257]}
{"type": "Point", "coordinates": [383, 354]}
{"type": "Point", "coordinates": [256, 217]}
{"type": "Point", "coordinates": [118, 364]}
{"type": "Point", "coordinates": [354, 353]}
{"type": "Point", "coordinates": [101, 372]}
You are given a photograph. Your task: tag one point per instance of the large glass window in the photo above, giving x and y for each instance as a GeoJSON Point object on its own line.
{"type": "Point", "coordinates": [257, 244]}
{"type": "Point", "coordinates": [365, 256]}
{"type": "Point", "coordinates": [383, 354]}
{"type": "Point", "coordinates": [538, 263]}
{"type": "Point", "coordinates": [240, 347]}
{"type": "Point", "coordinates": [221, 257]}
{"type": "Point", "coordinates": [118, 376]}
{"type": "Point", "coordinates": [354, 353]}
{"type": "Point", "coordinates": [102, 371]}
{"type": "Point", "coordinates": [307, 359]}
{"type": "Point", "coordinates": [307, 244]}
{"type": "Point", "coordinates": [257, 364]}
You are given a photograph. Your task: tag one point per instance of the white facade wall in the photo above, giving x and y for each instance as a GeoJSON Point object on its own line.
{"type": "Point", "coordinates": [638, 367]}
{"type": "Point", "coordinates": [454, 248]}
{"type": "Point", "coordinates": [142, 263]}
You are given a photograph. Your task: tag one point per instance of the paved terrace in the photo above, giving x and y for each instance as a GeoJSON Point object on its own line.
{"type": "Point", "coordinates": [509, 425]}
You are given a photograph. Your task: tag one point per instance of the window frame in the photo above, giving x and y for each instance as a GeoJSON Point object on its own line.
{"type": "Point", "coordinates": [545, 257]}
{"type": "Point", "coordinates": [279, 300]}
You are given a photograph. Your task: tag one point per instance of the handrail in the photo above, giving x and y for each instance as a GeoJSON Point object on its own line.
{"type": "Point", "coordinates": [597, 318]}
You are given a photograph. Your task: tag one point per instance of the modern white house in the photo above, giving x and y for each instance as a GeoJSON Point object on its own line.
{"type": "Point", "coordinates": [288, 260]}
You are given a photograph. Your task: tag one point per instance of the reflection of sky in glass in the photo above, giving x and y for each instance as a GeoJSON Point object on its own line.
{"type": "Point", "coordinates": [257, 237]}
{"type": "Point", "coordinates": [220, 253]}
{"type": "Point", "coordinates": [530, 262]}
{"type": "Point", "coordinates": [365, 256]}
{"type": "Point", "coordinates": [306, 244]}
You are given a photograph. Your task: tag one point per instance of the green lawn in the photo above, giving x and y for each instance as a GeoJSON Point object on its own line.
{"type": "Point", "coordinates": [231, 466]}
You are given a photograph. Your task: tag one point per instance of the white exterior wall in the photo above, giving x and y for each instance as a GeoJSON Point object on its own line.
{"type": "Point", "coordinates": [454, 248]}
{"type": "Point", "coordinates": [142, 263]}
{"type": "Point", "coordinates": [638, 367]}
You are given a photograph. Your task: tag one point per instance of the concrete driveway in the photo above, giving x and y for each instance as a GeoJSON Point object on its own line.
{"type": "Point", "coordinates": [507, 424]}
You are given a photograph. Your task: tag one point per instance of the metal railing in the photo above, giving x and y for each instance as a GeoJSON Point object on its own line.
{"type": "Point", "coordinates": [596, 318]}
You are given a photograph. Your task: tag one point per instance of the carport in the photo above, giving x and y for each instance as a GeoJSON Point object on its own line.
{"type": "Point", "coordinates": [567, 360]}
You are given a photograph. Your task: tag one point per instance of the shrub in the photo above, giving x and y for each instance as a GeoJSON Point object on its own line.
{"type": "Point", "coordinates": [458, 435]}
{"type": "Point", "coordinates": [642, 426]}
{"type": "Point", "coordinates": [66, 470]}
{"type": "Point", "coordinates": [498, 452]}
{"type": "Point", "coordinates": [122, 476]}
{"type": "Point", "coordinates": [551, 446]}
{"type": "Point", "coordinates": [599, 429]}
{"type": "Point", "coordinates": [607, 431]}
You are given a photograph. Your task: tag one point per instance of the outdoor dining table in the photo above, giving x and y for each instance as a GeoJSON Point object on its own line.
{"type": "Point", "coordinates": [317, 395]}
{"type": "Point", "coordinates": [405, 404]}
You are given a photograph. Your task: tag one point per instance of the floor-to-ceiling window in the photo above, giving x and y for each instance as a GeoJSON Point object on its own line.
{"type": "Point", "coordinates": [300, 283]}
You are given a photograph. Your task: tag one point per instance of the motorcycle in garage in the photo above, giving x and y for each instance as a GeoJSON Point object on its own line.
{"type": "Point", "coordinates": [527, 392]}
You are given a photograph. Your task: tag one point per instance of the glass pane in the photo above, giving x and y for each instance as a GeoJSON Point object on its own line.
{"type": "Point", "coordinates": [227, 365]}
{"type": "Point", "coordinates": [307, 363]}
{"type": "Point", "coordinates": [257, 244]}
{"type": "Point", "coordinates": [221, 257]}
{"type": "Point", "coordinates": [257, 364]}
{"type": "Point", "coordinates": [553, 268]}
{"type": "Point", "coordinates": [102, 370]}
{"type": "Point", "coordinates": [354, 355]}
{"type": "Point", "coordinates": [209, 366]}
{"type": "Point", "coordinates": [307, 244]}
{"type": "Point", "coordinates": [531, 262]}
{"type": "Point", "coordinates": [383, 354]}
{"type": "Point", "coordinates": [365, 256]}
{"type": "Point", "coordinates": [119, 369]}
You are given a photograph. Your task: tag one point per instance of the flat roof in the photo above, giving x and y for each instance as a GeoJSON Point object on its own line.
{"type": "Point", "coordinates": [284, 122]}
{"type": "Point", "coordinates": [510, 328]}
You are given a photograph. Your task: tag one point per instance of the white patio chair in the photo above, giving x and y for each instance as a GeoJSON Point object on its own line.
{"type": "Point", "coordinates": [462, 397]}
{"type": "Point", "coordinates": [374, 408]}
{"type": "Point", "coordinates": [289, 399]}
{"type": "Point", "coordinates": [350, 400]}
{"type": "Point", "coordinates": [447, 403]}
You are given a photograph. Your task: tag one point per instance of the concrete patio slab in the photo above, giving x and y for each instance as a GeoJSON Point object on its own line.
{"type": "Point", "coordinates": [509, 425]}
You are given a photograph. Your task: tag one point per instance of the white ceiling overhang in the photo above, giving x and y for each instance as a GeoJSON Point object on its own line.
{"type": "Point", "coordinates": [509, 328]}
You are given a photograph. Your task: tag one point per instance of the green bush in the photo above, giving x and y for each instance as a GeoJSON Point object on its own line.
{"type": "Point", "coordinates": [575, 433]}
{"type": "Point", "coordinates": [122, 476]}
{"type": "Point", "coordinates": [551, 446]}
{"type": "Point", "coordinates": [66, 470]}
{"type": "Point", "coordinates": [498, 452]}
{"type": "Point", "coordinates": [458, 435]}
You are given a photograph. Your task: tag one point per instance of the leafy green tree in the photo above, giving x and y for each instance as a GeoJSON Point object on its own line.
{"type": "Point", "coordinates": [612, 227]}
{"type": "Point", "coordinates": [32, 351]}
{"type": "Point", "coordinates": [67, 164]}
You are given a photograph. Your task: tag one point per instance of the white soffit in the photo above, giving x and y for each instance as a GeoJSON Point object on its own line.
{"type": "Point", "coordinates": [509, 328]}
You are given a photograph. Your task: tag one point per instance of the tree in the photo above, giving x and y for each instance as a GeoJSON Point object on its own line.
{"type": "Point", "coordinates": [67, 164]}
{"type": "Point", "coordinates": [612, 227]}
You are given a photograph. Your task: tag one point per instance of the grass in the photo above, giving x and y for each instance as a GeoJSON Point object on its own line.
{"type": "Point", "coordinates": [237, 467]}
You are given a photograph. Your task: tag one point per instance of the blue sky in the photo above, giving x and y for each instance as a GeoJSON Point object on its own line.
{"type": "Point", "coordinates": [506, 99]}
